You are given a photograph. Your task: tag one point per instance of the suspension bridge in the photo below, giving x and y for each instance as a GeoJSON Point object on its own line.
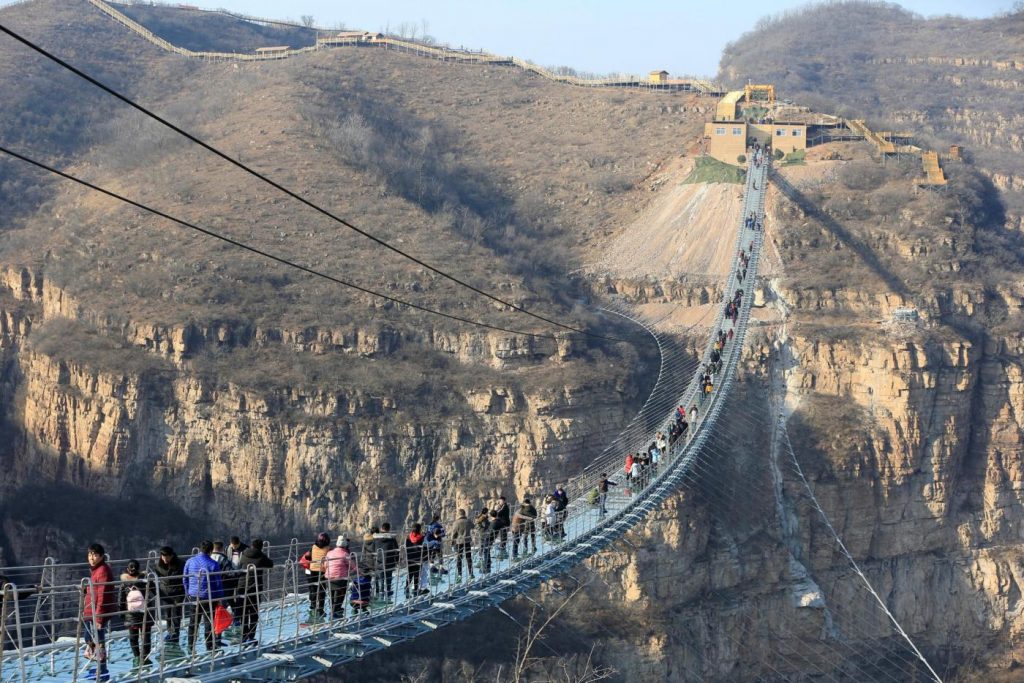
{"type": "Point", "coordinates": [43, 632]}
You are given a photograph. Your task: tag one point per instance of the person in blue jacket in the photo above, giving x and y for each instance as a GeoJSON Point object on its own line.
{"type": "Point", "coordinates": [204, 588]}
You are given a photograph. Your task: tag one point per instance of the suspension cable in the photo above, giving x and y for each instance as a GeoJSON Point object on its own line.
{"type": "Point", "coordinates": [261, 252]}
{"type": "Point", "coordinates": [294, 195]}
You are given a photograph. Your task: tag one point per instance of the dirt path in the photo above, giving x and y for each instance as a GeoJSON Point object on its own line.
{"type": "Point", "coordinates": [686, 229]}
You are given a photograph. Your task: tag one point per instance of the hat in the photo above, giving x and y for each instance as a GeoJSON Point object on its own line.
{"type": "Point", "coordinates": [342, 542]}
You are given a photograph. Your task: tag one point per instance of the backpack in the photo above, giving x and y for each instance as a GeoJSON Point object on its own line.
{"type": "Point", "coordinates": [135, 600]}
{"type": "Point", "coordinates": [306, 561]}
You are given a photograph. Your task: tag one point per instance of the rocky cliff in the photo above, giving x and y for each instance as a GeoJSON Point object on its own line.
{"type": "Point", "coordinates": [299, 457]}
{"type": "Point", "coordinates": [134, 413]}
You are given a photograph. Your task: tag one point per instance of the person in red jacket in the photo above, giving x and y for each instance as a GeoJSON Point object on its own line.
{"type": "Point", "coordinates": [99, 606]}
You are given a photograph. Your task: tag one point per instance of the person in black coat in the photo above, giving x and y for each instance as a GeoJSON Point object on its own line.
{"type": "Point", "coordinates": [414, 556]}
{"type": "Point", "coordinates": [486, 529]}
{"type": "Point", "coordinates": [385, 547]}
{"type": "Point", "coordinates": [504, 522]}
{"type": "Point", "coordinates": [136, 599]}
{"type": "Point", "coordinates": [251, 585]}
{"type": "Point", "coordinates": [170, 569]}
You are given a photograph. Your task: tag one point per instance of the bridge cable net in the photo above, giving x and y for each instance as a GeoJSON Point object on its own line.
{"type": "Point", "coordinates": [851, 648]}
{"type": "Point", "coordinates": [848, 639]}
{"type": "Point", "coordinates": [853, 562]}
{"type": "Point", "coordinates": [46, 645]}
{"type": "Point", "coordinates": [854, 641]}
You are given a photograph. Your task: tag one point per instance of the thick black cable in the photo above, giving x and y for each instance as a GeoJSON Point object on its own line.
{"type": "Point", "coordinates": [260, 252]}
{"type": "Point", "coordinates": [294, 195]}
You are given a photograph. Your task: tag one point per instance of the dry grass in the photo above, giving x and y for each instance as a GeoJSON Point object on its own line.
{"type": "Point", "coordinates": [498, 176]}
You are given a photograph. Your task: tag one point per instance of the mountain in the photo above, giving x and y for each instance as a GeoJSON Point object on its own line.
{"type": "Point", "coordinates": [949, 79]}
{"type": "Point", "coordinates": [156, 385]}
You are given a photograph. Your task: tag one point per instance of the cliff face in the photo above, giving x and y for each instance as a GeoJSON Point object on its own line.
{"type": "Point", "coordinates": [292, 458]}
{"type": "Point", "coordinates": [910, 434]}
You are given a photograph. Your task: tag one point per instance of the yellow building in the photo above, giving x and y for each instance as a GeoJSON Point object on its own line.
{"type": "Point", "coordinates": [726, 139]}
{"type": "Point", "coordinates": [658, 77]}
{"type": "Point", "coordinates": [728, 106]}
{"type": "Point", "coordinates": [729, 139]}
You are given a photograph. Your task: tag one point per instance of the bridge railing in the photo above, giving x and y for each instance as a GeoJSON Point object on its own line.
{"type": "Point", "coordinates": [748, 241]}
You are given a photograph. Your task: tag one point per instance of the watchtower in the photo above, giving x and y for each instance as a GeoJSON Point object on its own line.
{"type": "Point", "coordinates": [657, 77]}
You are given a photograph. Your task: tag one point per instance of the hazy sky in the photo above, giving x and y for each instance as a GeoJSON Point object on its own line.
{"type": "Point", "coordinates": [602, 36]}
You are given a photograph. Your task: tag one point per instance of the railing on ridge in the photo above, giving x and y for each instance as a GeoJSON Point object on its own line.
{"type": "Point", "coordinates": [387, 42]}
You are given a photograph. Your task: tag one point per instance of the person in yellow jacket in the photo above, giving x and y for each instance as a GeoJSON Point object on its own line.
{"type": "Point", "coordinates": [316, 582]}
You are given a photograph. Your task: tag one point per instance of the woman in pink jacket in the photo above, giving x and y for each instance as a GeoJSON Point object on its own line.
{"type": "Point", "coordinates": [339, 566]}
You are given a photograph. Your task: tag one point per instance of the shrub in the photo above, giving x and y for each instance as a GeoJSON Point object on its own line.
{"type": "Point", "coordinates": [778, 154]}
{"type": "Point", "coordinates": [711, 170]}
{"type": "Point", "coordinates": [862, 176]}
{"type": "Point", "coordinates": [742, 158]}
{"type": "Point", "coordinates": [797, 157]}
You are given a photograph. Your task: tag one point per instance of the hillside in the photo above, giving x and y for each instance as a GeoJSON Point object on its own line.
{"type": "Point", "coordinates": [496, 175]}
{"type": "Point", "coordinates": [203, 31]}
{"type": "Point", "coordinates": [155, 385]}
{"type": "Point", "coordinates": [950, 80]}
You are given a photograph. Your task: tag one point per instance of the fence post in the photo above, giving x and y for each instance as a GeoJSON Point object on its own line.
{"type": "Point", "coordinates": [298, 608]}
{"type": "Point", "coordinates": [78, 626]}
{"type": "Point", "coordinates": [284, 592]}
{"type": "Point", "coordinates": [212, 636]}
{"type": "Point", "coordinates": [145, 636]}
{"type": "Point", "coordinates": [3, 624]}
{"type": "Point", "coordinates": [159, 619]}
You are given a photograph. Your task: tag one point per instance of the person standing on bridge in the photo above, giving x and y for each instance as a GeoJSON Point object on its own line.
{"type": "Point", "coordinates": [203, 588]}
{"type": "Point", "coordinates": [486, 528]}
{"type": "Point", "coordinates": [524, 528]}
{"type": "Point", "coordinates": [462, 541]}
{"type": "Point", "coordinates": [136, 601]}
{"type": "Point", "coordinates": [436, 529]}
{"type": "Point", "coordinates": [602, 492]}
{"type": "Point", "coordinates": [170, 569]}
{"type": "Point", "coordinates": [235, 550]}
{"type": "Point", "coordinates": [504, 522]}
{"type": "Point", "coordinates": [339, 565]}
{"type": "Point", "coordinates": [654, 457]}
{"type": "Point", "coordinates": [561, 508]}
{"type": "Point", "coordinates": [253, 583]}
{"type": "Point", "coordinates": [385, 544]}
{"type": "Point", "coordinates": [99, 606]}
{"type": "Point", "coordinates": [550, 519]}
{"type": "Point", "coordinates": [500, 523]}
{"type": "Point", "coordinates": [315, 578]}
{"type": "Point", "coordinates": [414, 559]}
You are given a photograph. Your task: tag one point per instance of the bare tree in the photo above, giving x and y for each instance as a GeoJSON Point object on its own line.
{"type": "Point", "coordinates": [308, 20]}
{"type": "Point", "coordinates": [571, 669]}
